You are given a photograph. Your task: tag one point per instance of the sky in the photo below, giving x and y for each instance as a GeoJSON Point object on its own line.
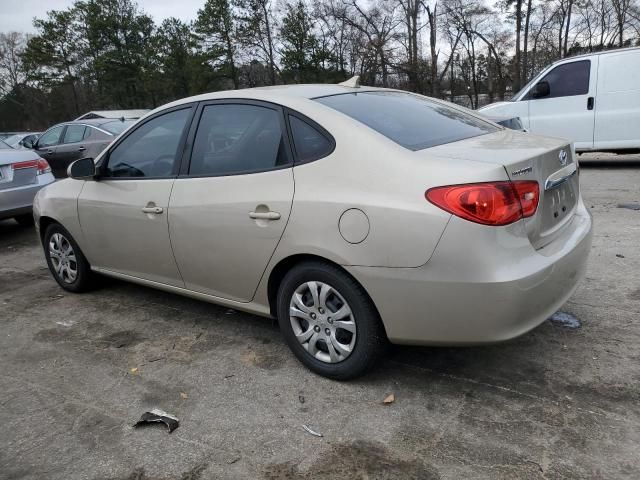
{"type": "Point", "coordinates": [17, 15]}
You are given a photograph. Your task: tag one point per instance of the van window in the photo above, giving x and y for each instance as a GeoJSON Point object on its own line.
{"type": "Point", "coordinates": [567, 80]}
{"type": "Point", "coordinates": [412, 121]}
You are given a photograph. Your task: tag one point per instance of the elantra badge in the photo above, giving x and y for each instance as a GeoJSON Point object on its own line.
{"type": "Point", "coordinates": [562, 156]}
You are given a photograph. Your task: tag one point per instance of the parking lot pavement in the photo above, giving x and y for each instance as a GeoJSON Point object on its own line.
{"type": "Point", "coordinates": [79, 370]}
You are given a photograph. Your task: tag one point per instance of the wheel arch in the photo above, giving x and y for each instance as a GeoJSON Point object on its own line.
{"type": "Point", "coordinates": [279, 271]}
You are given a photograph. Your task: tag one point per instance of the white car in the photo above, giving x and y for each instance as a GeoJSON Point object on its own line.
{"type": "Point", "coordinates": [592, 100]}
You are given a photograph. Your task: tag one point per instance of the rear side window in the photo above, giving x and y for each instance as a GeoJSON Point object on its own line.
{"type": "Point", "coordinates": [568, 79]}
{"type": "Point", "coordinates": [151, 149]}
{"type": "Point", "coordinates": [235, 139]}
{"type": "Point", "coordinates": [74, 133]}
{"type": "Point", "coordinates": [409, 120]}
{"type": "Point", "coordinates": [310, 144]}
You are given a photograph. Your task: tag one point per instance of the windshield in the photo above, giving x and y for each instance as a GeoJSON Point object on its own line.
{"type": "Point", "coordinates": [410, 120]}
{"type": "Point", "coordinates": [117, 126]}
{"type": "Point", "coordinates": [13, 140]}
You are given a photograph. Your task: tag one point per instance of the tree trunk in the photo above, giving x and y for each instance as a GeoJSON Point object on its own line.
{"type": "Point", "coordinates": [435, 84]}
{"type": "Point", "coordinates": [272, 66]}
{"type": "Point", "coordinates": [524, 77]}
{"type": "Point", "coordinates": [566, 29]}
{"type": "Point", "coordinates": [518, 65]}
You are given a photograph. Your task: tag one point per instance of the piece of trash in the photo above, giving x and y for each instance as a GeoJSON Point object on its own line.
{"type": "Point", "coordinates": [630, 206]}
{"type": "Point", "coordinates": [158, 416]}
{"type": "Point", "coordinates": [134, 370]}
{"type": "Point", "coordinates": [389, 399]}
{"type": "Point", "coordinates": [65, 323]}
{"type": "Point", "coordinates": [229, 376]}
{"type": "Point", "coordinates": [184, 395]}
{"type": "Point", "coordinates": [301, 398]}
{"type": "Point", "coordinates": [565, 320]}
{"type": "Point", "coordinates": [233, 460]}
{"type": "Point", "coordinates": [229, 311]}
{"type": "Point", "coordinates": [619, 255]}
{"type": "Point", "coordinates": [308, 430]}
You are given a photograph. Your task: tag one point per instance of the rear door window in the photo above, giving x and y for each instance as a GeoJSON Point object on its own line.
{"type": "Point", "coordinates": [237, 139]}
{"type": "Point", "coordinates": [74, 133]}
{"type": "Point", "coordinates": [411, 121]}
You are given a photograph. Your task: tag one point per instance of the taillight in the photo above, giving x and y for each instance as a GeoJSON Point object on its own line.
{"type": "Point", "coordinates": [40, 164]}
{"type": "Point", "coordinates": [490, 203]}
{"type": "Point", "coordinates": [43, 166]}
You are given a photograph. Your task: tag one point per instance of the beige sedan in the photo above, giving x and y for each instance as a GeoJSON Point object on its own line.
{"type": "Point", "coordinates": [354, 215]}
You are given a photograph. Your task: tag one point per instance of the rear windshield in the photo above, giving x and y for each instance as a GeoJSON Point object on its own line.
{"type": "Point", "coordinates": [409, 120]}
{"type": "Point", "coordinates": [4, 146]}
{"type": "Point", "coordinates": [117, 126]}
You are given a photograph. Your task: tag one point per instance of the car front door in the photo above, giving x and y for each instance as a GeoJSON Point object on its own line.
{"type": "Point", "coordinates": [567, 110]}
{"type": "Point", "coordinates": [229, 207]}
{"type": "Point", "coordinates": [47, 146]}
{"type": "Point", "coordinates": [123, 214]}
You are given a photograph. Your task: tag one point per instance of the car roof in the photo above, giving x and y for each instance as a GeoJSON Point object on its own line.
{"type": "Point", "coordinates": [96, 122]}
{"type": "Point", "coordinates": [593, 54]}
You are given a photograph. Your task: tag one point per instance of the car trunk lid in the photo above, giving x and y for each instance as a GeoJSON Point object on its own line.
{"type": "Point", "coordinates": [549, 161]}
{"type": "Point", "coordinates": [12, 177]}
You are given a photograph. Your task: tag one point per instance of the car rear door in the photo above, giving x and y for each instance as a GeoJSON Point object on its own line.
{"type": "Point", "coordinates": [71, 147]}
{"type": "Point", "coordinates": [568, 110]}
{"type": "Point", "coordinates": [123, 214]}
{"type": "Point", "coordinates": [230, 205]}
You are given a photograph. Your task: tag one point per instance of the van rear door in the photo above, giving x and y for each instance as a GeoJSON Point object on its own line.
{"type": "Point", "coordinates": [618, 103]}
{"type": "Point", "coordinates": [568, 109]}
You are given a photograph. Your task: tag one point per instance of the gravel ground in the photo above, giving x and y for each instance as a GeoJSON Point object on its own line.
{"type": "Point", "coordinates": [79, 370]}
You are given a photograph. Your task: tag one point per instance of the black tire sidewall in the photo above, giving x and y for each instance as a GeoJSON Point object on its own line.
{"type": "Point", "coordinates": [369, 335]}
{"type": "Point", "coordinates": [83, 280]}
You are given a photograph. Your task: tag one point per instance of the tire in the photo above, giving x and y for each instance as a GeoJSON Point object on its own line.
{"type": "Point", "coordinates": [25, 220]}
{"type": "Point", "coordinates": [331, 351]}
{"type": "Point", "coordinates": [58, 239]}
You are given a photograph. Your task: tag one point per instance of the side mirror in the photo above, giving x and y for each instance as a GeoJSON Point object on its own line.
{"type": "Point", "coordinates": [82, 169]}
{"type": "Point", "coordinates": [28, 143]}
{"type": "Point", "coordinates": [541, 90]}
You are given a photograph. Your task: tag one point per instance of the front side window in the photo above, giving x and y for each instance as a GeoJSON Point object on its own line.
{"type": "Point", "coordinates": [567, 80]}
{"type": "Point", "coordinates": [236, 138]}
{"type": "Point", "coordinates": [409, 120]}
{"type": "Point", "coordinates": [51, 137]}
{"type": "Point", "coordinates": [151, 149]}
{"type": "Point", "coordinates": [74, 133]}
{"type": "Point", "coordinates": [310, 144]}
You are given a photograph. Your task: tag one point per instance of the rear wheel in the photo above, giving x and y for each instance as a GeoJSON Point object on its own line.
{"type": "Point", "coordinates": [328, 321]}
{"type": "Point", "coordinates": [25, 220]}
{"type": "Point", "coordinates": [66, 262]}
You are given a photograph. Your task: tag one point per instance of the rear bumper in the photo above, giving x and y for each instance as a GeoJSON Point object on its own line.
{"type": "Point", "coordinates": [19, 200]}
{"type": "Point", "coordinates": [482, 284]}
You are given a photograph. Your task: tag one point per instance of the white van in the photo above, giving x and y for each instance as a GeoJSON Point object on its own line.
{"type": "Point", "coordinates": [592, 100]}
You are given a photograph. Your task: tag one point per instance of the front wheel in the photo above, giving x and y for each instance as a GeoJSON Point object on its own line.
{"type": "Point", "coordinates": [328, 321]}
{"type": "Point", "coordinates": [66, 262]}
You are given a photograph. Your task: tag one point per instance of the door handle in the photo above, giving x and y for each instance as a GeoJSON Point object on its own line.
{"type": "Point", "coordinates": [49, 152]}
{"type": "Point", "coordinates": [82, 149]}
{"type": "Point", "coordinates": [264, 215]}
{"type": "Point", "coordinates": [590, 102]}
{"type": "Point", "coordinates": [155, 210]}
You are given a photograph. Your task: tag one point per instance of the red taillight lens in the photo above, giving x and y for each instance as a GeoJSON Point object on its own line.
{"type": "Point", "coordinates": [43, 166]}
{"type": "Point", "coordinates": [40, 164]}
{"type": "Point", "coordinates": [491, 203]}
